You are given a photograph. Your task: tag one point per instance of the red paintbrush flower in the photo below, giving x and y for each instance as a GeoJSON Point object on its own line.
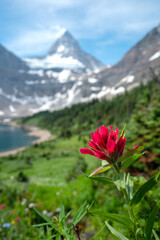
{"type": "Point", "coordinates": [2, 206]}
{"type": "Point", "coordinates": [106, 145]}
{"type": "Point", "coordinates": [17, 219]}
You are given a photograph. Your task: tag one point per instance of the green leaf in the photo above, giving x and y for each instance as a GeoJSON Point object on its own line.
{"type": "Point", "coordinates": [40, 225]}
{"type": "Point", "coordinates": [119, 181]}
{"type": "Point", "coordinates": [143, 190]}
{"type": "Point", "coordinates": [127, 162]}
{"type": "Point", "coordinates": [97, 233]}
{"type": "Point", "coordinates": [115, 232]}
{"type": "Point", "coordinates": [122, 133]}
{"type": "Point", "coordinates": [102, 179]}
{"type": "Point", "coordinates": [80, 213]}
{"type": "Point", "coordinates": [69, 213]}
{"type": "Point", "coordinates": [114, 217]}
{"type": "Point", "coordinates": [150, 222]}
{"type": "Point", "coordinates": [105, 163]}
{"type": "Point", "coordinates": [130, 153]}
{"type": "Point", "coordinates": [62, 213]}
{"type": "Point", "coordinates": [100, 170]}
{"type": "Point", "coordinates": [129, 186]}
{"type": "Point", "coordinates": [43, 217]}
{"type": "Point", "coordinates": [155, 235]}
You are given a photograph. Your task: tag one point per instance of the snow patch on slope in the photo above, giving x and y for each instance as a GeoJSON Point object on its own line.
{"type": "Point", "coordinates": [38, 72]}
{"type": "Point", "coordinates": [63, 76]}
{"type": "Point", "coordinates": [128, 79]}
{"type": "Point", "coordinates": [53, 61]}
{"type": "Point", "coordinates": [1, 113]}
{"type": "Point", "coordinates": [154, 56]}
{"type": "Point", "coordinates": [92, 80]}
{"type": "Point", "coordinates": [61, 49]}
{"type": "Point", "coordinates": [12, 109]}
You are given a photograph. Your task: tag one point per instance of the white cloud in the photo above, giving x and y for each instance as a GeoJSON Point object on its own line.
{"type": "Point", "coordinates": [86, 19]}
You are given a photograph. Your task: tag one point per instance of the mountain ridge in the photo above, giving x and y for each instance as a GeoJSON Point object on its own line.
{"type": "Point", "coordinates": [27, 90]}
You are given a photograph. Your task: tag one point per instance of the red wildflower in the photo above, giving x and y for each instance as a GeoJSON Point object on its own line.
{"type": "Point", "coordinates": [12, 212]}
{"type": "Point", "coordinates": [105, 145]}
{"type": "Point", "coordinates": [3, 205]}
{"type": "Point", "coordinates": [17, 219]}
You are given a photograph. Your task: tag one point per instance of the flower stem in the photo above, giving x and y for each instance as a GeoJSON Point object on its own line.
{"type": "Point", "coordinates": [130, 210]}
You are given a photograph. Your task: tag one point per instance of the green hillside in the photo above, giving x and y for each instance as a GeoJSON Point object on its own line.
{"type": "Point", "coordinates": [49, 174]}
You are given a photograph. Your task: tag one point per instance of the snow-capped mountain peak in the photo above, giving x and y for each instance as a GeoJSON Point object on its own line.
{"type": "Point", "coordinates": [66, 44]}
{"type": "Point", "coordinates": [65, 53]}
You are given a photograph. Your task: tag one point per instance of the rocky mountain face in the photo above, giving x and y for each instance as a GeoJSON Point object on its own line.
{"type": "Point", "coordinates": [67, 75]}
{"type": "Point", "coordinates": [137, 65]}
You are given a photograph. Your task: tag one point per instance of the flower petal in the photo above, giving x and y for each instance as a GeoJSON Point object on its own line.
{"type": "Point", "coordinates": [104, 134]}
{"type": "Point", "coordinates": [120, 145]}
{"type": "Point", "coordinates": [93, 137]}
{"type": "Point", "coordinates": [110, 146]}
{"type": "Point", "coordinates": [93, 145]}
{"type": "Point", "coordinates": [100, 155]}
{"type": "Point", "coordinates": [117, 133]}
{"type": "Point", "coordinates": [99, 140]}
{"type": "Point", "coordinates": [86, 151]}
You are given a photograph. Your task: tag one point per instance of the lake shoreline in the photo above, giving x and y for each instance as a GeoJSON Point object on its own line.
{"type": "Point", "coordinates": [42, 135]}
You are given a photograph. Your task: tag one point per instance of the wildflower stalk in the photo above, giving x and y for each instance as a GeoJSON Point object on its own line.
{"type": "Point", "coordinates": [109, 146]}
{"type": "Point", "coordinates": [130, 210]}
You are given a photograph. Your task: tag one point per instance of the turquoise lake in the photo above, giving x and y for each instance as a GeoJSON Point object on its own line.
{"type": "Point", "coordinates": [12, 137]}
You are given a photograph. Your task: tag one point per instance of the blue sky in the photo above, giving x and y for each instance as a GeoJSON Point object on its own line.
{"type": "Point", "coordinates": [106, 29]}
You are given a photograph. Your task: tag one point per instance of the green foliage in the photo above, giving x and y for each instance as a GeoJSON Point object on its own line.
{"type": "Point", "coordinates": [54, 168]}
{"type": "Point", "coordinates": [143, 190]}
{"type": "Point", "coordinates": [151, 219]}
{"type": "Point", "coordinates": [115, 232]}
{"type": "Point", "coordinates": [61, 227]}
{"type": "Point", "coordinates": [125, 221]}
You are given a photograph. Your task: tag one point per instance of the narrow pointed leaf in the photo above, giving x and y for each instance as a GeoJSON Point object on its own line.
{"type": "Point", "coordinates": [43, 216]}
{"type": "Point", "coordinates": [114, 217]}
{"type": "Point", "coordinates": [101, 179]}
{"type": "Point", "coordinates": [150, 223]}
{"type": "Point", "coordinates": [143, 190]}
{"type": "Point", "coordinates": [122, 133]}
{"type": "Point", "coordinates": [99, 170]}
{"type": "Point", "coordinates": [80, 213]}
{"type": "Point", "coordinates": [115, 232]}
{"type": "Point", "coordinates": [40, 225]}
{"type": "Point", "coordinates": [130, 153]}
{"type": "Point", "coordinates": [62, 213]}
{"type": "Point", "coordinates": [130, 160]}
{"type": "Point", "coordinates": [155, 235]}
